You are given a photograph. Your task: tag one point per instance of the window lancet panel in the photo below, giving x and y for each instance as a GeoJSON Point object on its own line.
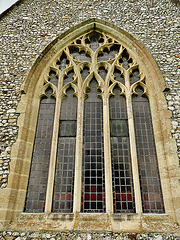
{"type": "Point", "coordinates": [93, 182]}
{"type": "Point", "coordinates": [64, 174]}
{"type": "Point", "coordinates": [36, 193]}
{"type": "Point", "coordinates": [152, 200]}
{"type": "Point", "coordinates": [123, 193]}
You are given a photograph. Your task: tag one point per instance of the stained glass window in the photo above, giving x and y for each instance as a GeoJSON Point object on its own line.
{"type": "Point", "coordinates": [95, 95]}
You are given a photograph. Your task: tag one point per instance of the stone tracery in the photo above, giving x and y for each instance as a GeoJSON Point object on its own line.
{"type": "Point", "coordinates": [100, 57]}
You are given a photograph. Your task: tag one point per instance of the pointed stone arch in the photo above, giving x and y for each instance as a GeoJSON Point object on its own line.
{"type": "Point", "coordinates": [29, 107]}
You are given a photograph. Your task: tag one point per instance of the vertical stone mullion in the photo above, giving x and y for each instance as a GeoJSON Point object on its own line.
{"type": "Point", "coordinates": [78, 157]}
{"type": "Point", "coordinates": [107, 157]}
{"type": "Point", "coordinates": [134, 159]}
{"type": "Point", "coordinates": [133, 149]}
{"type": "Point", "coordinates": [54, 143]}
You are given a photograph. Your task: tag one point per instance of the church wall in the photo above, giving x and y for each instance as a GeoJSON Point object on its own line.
{"type": "Point", "coordinates": [31, 26]}
{"type": "Point", "coordinates": [27, 29]}
{"type": "Point", "coordinates": [82, 236]}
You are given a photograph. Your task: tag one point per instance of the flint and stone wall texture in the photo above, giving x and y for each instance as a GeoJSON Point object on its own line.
{"type": "Point", "coordinates": [28, 28]}
{"type": "Point", "coordinates": [83, 236]}
{"type": "Point", "coordinates": [32, 25]}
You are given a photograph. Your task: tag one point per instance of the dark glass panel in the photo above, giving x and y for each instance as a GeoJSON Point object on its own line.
{"type": "Point", "coordinates": [36, 192]}
{"type": "Point", "coordinates": [62, 62]}
{"type": "Point", "coordinates": [87, 41]}
{"type": "Point", "coordinates": [101, 40]}
{"type": "Point", "coordinates": [123, 192]}
{"type": "Point", "coordinates": [94, 40]}
{"type": "Point", "coordinates": [67, 128]}
{"type": "Point", "coordinates": [107, 54]}
{"type": "Point", "coordinates": [53, 78]}
{"type": "Point", "coordinates": [69, 104]}
{"type": "Point", "coordinates": [118, 76]}
{"type": "Point", "coordinates": [69, 78]}
{"type": "Point", "coordinates": [78, 41]}
{"type": "Point", "coordinates": [81, 56]}
{"type": "Point", "coordinates": [93, 189]}
{"type": "Point", "coordinates": [64, 174]}
{"type": "Point", "coordinates": [119, 128]}
{"type": "Point", "coordinates": [102, 72]}
{"type": "Point", "coordinates": [114, 50]}
{"type": "Point", "coordinates": [84, 73]}
{"type": "Point", "coordinates": [151, 193]}
{"type": "Point", "coordinates": [125, 60]}
{"type": "Point", "coordinates": [134, 77]}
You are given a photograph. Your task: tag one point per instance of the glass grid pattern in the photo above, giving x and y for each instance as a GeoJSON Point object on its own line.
{"type": "Point", "coordinates": [152, 199]}
{"type": "Point", "coordinates": [64, 174]}
{"type": "Point", "coordinates": [69, 106]}
{"type": "Point", "coordinates": [123, 190]}
{"type": "Point", "coordinates": [93, 182]}
{"type": "Point", "coordinates": [36, 192]}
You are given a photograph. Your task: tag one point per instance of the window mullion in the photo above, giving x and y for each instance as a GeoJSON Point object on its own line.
{"type": "Point", "coordinates": [78, 158]}
{"type": "Point", "coordinates": [134, 160]}
{"type": "Point", "coordinates": [54, 144]}
{"type": "Point", "coordinates": [107, 156]}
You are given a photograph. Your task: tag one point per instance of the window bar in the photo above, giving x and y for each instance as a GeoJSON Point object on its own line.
{"type": "Point", "coordinates": [135, 171]}
{"type": "Point", "coordinates": [107, 157]}
{"type": "Point", "coordinates": [52, 164]}
{"type": "Point", "coordinates": [78, 157]}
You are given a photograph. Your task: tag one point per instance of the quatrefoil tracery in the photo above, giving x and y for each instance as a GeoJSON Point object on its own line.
{"type": "Point", "coordinates": [94, 55]}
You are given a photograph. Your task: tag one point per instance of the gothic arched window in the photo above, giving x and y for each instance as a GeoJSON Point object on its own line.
{"type": "Point", "coordinates": [94, 150]}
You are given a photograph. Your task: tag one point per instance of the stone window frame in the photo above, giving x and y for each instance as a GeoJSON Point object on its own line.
{"type": "Point", "coordinates": [22, 149]}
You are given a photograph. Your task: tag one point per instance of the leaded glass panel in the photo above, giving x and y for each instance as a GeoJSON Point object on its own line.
{"type": "Point", "coordinates": [64, 174]}
{"type": "Point", "coordinates": [93, 185]}
{"type": "Point", "coordinates": [36, 192]}
{"type": "Point", "coordinates": [152, 200]}
{"type": "Point", "coordinates": [123, 193]}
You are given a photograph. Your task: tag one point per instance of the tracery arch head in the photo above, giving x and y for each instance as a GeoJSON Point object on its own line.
{"type": "Point", "coordinates": [95, 48]}
{"type": "Point", "coordinates": [93, 55]}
